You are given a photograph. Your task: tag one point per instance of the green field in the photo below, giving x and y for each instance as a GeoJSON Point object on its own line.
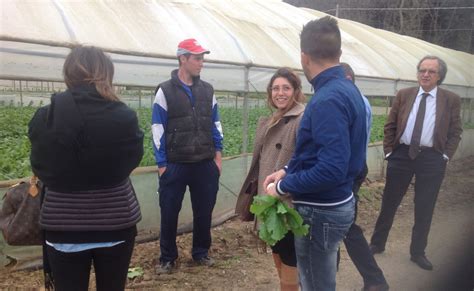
{"type": "Point", "coordinates": [15, 146]}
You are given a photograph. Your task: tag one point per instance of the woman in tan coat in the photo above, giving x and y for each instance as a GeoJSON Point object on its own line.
{"type": "Point", "coordinates": [274, 145]}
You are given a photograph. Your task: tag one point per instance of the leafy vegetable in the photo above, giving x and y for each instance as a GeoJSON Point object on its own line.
{"type": "Point", "coordinates": [134, 272]}
{"type": "Point", "coordinates": [15, 146]}
{"type": "Point", "coordinates": [276, 219]}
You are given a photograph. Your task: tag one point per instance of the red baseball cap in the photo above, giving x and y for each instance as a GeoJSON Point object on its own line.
{"type": "Point", "coordinates": [191, 46]}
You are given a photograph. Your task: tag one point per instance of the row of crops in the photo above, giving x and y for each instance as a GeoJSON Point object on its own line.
{"type": "Point", "coordinates": [15, 146]}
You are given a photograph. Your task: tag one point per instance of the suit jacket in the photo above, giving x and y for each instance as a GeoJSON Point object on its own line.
{"type": "Point", "coordinates": [447, 131]}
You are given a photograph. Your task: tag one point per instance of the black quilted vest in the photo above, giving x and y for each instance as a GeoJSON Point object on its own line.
{"type": "Point", "coordinates": [189, 128]}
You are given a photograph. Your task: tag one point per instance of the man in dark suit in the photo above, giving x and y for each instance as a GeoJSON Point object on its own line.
{"type": "Point", "coordinates": [422, 133]}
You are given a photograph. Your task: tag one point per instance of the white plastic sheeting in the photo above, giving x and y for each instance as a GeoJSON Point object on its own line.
{"type": "Point", "coordinates": [248, 40]}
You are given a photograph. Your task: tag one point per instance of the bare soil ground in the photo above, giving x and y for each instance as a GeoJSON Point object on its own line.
{"type": "Point", "coordinates": [241, 266]}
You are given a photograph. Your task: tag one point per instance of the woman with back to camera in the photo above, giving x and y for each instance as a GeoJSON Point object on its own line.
{"type": "Point", "coordinates": [275, 141]}
{"type": "Point", "coordinates": [84, 145]}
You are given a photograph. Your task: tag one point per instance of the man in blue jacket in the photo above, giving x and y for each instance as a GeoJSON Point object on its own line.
{"type": "Point", "coordinates": [330, 152]}
{"type": "Point", "coordinates": [355, 242]}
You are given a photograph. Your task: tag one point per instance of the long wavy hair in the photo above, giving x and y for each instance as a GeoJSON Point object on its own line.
{"type": "Point", "coordinates": [86, 65]}
{"type": "Point", "coordinates": [298, 96]}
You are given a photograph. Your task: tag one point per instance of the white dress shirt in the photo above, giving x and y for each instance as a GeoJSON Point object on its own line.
{"type": "Point", "coordinates": [428, 122]}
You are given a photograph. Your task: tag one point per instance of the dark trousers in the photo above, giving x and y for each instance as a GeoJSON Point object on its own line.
{"type": "Point", "coordinates": [202, 178]}
{"type": "Point", "coordinates": [428, 168]}
{"type": "Point", "coordinates": [357, 246]}
{"type": "Point", "coordinates": [71, 271]}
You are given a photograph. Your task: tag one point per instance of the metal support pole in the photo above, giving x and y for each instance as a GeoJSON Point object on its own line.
{"type": "Point", "coordinates": [470, 110]}
{"type": "Point", "coordinates": [139, 98]}
{"type": "Point", "coordinates": [245, 119]}
{"type": "Point", "coordinates": [21, 95]}
{"type": "Point", "coordinates": [463, 111]}
{"type": "Point", "coordinates": [152, 98]}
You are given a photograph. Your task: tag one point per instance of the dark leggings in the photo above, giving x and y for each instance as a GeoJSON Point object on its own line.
{"type": "Point", "coordinates": [285, 248]}
{"type": "Point", "coordinates": [71, 271]}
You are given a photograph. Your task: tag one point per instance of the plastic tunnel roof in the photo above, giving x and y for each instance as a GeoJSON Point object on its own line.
{"type": "Point", "coordinates": [248, 39]}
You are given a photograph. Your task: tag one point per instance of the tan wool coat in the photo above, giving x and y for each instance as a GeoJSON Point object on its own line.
{"type": "Point", "coordinates": [273, 146]}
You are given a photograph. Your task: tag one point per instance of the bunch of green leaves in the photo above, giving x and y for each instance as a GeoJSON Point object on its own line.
{"type": "Point", "coordinates": [276, 219]}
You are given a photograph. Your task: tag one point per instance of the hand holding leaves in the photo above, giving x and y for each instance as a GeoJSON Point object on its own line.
{"type": "Point", "coordinates": [276, 219]}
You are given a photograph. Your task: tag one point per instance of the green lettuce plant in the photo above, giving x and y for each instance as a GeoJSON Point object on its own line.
{"type": "Point", "coordinates": [276, 219]}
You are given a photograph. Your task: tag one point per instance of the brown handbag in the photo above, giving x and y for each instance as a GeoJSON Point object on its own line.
{"type": "Point", "coordinates": [242, 207]}
{"type": "Point", "coordinates": [19, 216]}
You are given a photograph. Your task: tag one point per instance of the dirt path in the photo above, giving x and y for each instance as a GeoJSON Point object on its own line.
{"type": "Point", "coordinates": [241, 267]}
{"type": "Point", "coordinates": [450, 244]}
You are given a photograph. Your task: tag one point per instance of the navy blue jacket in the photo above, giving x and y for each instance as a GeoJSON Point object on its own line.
{"type": "Point", "coordinates": [331, 143]}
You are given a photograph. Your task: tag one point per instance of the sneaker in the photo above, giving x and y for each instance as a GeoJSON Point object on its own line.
{"type": "Point", "coordinates": [204, 261]}
{"type": "Point", "coordinates": [165, 268]}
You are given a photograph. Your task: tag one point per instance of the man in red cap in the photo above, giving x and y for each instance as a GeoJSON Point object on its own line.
{"type": "Point", "coordinates": [187, 141]}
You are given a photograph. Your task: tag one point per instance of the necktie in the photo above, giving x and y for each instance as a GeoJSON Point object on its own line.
{"type": "Point", "coordinates": [414, 148]}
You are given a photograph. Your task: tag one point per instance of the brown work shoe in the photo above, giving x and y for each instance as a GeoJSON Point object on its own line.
{"type": "Point", "coordinates": [204, 261]}
{"type": "Point", "coordinates": [165, 268]}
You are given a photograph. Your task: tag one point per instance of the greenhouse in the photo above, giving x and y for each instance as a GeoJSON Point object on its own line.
{"type": "Point", "coordinates": [248, 40]}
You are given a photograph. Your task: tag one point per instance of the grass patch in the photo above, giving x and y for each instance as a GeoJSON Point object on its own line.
{"type": "Point", "coordinates": [468, 125]}
{"type": "Point", "coordinates": [378, 101]}
{"type": "Point", "coordinates": [368, 193]}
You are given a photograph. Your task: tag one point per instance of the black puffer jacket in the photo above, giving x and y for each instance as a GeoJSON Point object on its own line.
{"type": "Point", "coordinates": [84, 147]}
{"type": "Point", "coordinates": [88, 144]}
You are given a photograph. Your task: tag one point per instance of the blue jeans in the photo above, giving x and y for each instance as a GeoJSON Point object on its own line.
{"type": "Point", "coordinates": [317, 251]}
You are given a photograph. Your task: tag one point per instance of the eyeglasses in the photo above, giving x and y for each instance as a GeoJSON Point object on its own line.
{"type": "Point", "coordinates": [284, 88]}
{"type": "Point", "coordinates": [430, 72]}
